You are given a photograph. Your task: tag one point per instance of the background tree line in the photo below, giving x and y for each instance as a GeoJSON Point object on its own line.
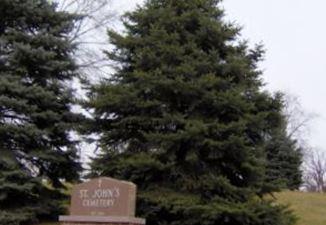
{"type": "Point", "coordinates": [182, 112]}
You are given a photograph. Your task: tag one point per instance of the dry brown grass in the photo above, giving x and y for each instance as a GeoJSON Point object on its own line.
{"type": "Point", "coordinates": [310, 208]}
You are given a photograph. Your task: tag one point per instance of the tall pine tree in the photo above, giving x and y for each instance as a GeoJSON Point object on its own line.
{"type": "Point", "coordinates": [184, 117]}
{"type": "Point", "coordinates": [35, 109]}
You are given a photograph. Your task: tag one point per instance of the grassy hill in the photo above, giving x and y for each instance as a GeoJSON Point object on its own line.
{"type": "Point", "coordinates": [309, 207]}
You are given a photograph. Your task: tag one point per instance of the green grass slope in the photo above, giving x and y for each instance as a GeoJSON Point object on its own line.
{"type": "Point", "coordinates": [310, 208]}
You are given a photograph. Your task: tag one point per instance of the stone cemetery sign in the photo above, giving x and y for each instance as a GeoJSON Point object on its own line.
{"type": "Point", "coordinates": [103, 200]}
{"type": "Point", "coordinates": [104, 197]}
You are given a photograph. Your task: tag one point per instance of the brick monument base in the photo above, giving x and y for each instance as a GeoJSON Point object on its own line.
{"type": "Point", "coordinates": [100, 220]}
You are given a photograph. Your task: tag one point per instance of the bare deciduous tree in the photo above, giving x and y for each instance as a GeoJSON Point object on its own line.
{"type": "Point", "coordinates": [90, 33]}
{"type": "Point", "coordinates": [298, 128]}
{"type": "Point", "coordinates": [315, 172]}
{"type": "Point", "coordinates": [298, 121]}
{"type": "Point", "coordinates": [90, 37]}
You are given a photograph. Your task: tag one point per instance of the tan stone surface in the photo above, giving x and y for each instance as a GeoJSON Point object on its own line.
{"type": "Point", "coordinates": [104, 197]}
{"type": "Point", "coordinates": [103, 219]}
{"type": "Point", "coordinates": [79, 223]}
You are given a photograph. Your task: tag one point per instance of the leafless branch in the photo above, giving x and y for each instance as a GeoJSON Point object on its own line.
{"type": "Point", "coordinates": [315, 172]}
{"type": "Point", "coordinates": [298, 121]}
{"type": "Point", "coordinates": [90, 33]}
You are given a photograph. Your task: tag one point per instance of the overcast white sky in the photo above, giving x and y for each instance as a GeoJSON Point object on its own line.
{"type": "Point", "coordinates": [294, 35]}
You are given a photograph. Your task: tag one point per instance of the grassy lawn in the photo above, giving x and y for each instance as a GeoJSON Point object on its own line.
{"type": "Point", "coordinates": [309, 207]}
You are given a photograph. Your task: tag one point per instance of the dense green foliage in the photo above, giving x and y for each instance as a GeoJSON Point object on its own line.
{"type": "Point", "coordinates": [23, 199]}
{"type": "Point", "coordinates": [284, 159]}
{"type": "Point", "coordinates": [35, 109]}
{"type": "Point", "coordinates": [185, 118]}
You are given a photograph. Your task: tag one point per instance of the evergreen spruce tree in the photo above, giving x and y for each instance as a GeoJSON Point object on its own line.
{"type": "Point", "coordinates": [284, 160]}
{"type": "Point", "coordinates": [35, 109]}
{"type": "Point", "coordinates": [24, 199]}
{"type": "Point", "coordinates": [185, 118]}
